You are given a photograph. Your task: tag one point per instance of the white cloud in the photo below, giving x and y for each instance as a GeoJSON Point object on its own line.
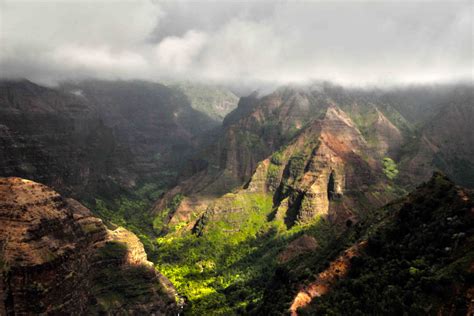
{"type": "Point", "coordinates": [176, 54]}
{"type": "Point", "coordinates": [237, 42]}
{"type": "Point", "coordinates": [97, 58]}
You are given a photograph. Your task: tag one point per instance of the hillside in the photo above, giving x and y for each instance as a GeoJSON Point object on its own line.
{"type": "Point", "coordinates": [292, 122]}
{"type": "Point", "coordinates": [293, 170]}
{"type": "Point", "coordinates": [219, 249]}
{"type": "Point", "coordinates": [97, 137]}
{"type": "Point", "coordinates": [56, 258]}
{"type": "Point", "coordinates": [414, 256]}
{"type": "Point", "coordinates": [155, 122]}
{"type": "Point", "coordinates": [214, 101]}
{"type": "Point", "coordinates": [281, 197]}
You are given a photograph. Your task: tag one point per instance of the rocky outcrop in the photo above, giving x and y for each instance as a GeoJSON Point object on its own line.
{"type": "Point", "coordinates": [323, 169]}
{"type": "Point", "coordinates": [324, 156]}
{"type": "Point", "coordinates": [426, 237]}
{"type": "Point", "coordinates": [337, 269]}
{"type": "Point", "coordinates": [56, 258]}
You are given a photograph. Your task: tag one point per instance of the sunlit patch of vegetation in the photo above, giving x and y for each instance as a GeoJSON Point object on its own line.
{"type": "Point", "coordinates": [225, 270]}
{"type": "Point", "coordinates": [159, 219]}
{"type": "Point", "coordinates": [390, 168]}
{"type": "Point", "coordinates": [131, 211]}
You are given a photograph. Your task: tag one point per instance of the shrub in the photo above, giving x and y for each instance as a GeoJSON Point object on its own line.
{"type": "Point", "coordinates": [389, 168]}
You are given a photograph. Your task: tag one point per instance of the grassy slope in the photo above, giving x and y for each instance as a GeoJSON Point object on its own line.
{"type": "Point", "coordinates": [225, 270]}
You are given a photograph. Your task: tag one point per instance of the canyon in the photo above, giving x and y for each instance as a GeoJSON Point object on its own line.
{"type": "Point", "coordinates": [192, 203]}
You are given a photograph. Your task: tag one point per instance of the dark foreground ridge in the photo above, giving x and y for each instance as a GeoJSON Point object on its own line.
{"type": "Point", "coordinates": [56, 258]}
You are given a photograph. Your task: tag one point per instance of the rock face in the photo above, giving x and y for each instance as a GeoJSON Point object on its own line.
{"type": "Point", "coordinates": [156, 123]}
{"type": "Point", "coordinates": [318, 172]}
{"type": "Point", "coordinates": [96, 138]}
{"type": "Point", "coordinates": [324, 170]}
{"type": "Point", "coordinates": [338, 138]}
{"type": "Point", "coordinates": [337, 269]}
{"type": "Point", "coordinates": [437, 217]}
{"type": "Point", "coordinates": [58, 139]}
{"type": "Point", "coordinates": [56, 258]}
{"type": "Point", "coordinates": [414, 255]}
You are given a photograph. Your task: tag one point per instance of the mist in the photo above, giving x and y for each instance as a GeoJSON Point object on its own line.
{"type": "Point", "coordinates": [256, 43]}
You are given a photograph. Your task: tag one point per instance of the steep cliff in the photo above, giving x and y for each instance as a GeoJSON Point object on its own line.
{"type": "Point", "coordinates": [58, 139]}
{"type": "Point", "coordinates": [413, 256]}
{"type": "Point", "coordinates": [155, 122]}
{"type": "Point", "coordinates": [308, 141]}
{"type": "Point", "coordinates": [328, 169]}
{"type": "Point", "coordinates": [97, 138]}
{"type": "Point", "coordinates": [56, 258]}
{"type": "Point", "coordinates": [292, 177]}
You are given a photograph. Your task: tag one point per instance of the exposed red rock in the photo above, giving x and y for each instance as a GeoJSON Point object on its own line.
{"type": "Point", "coordinates": [324, 280]}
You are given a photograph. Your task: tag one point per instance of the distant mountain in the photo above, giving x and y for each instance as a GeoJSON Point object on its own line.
{"type": "Point", "coordinates": [214, 101]}
{"type": "Point", "coordinates": [291, 130]}
{"type": "Point", "coordinates": [96, 137]}
{"type": "Point", "coordinates": [157, 123]}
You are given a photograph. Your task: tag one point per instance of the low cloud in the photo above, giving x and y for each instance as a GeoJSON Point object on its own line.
{"type": "Point", "coordinates": [231, 42]}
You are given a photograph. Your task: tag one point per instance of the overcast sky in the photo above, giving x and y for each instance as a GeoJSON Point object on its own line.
{"type": "Point", "coordinates": [349, 42]}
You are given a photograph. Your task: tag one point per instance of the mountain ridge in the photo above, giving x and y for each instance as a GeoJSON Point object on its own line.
{"type": "Point", "coordinates": [57, 258]}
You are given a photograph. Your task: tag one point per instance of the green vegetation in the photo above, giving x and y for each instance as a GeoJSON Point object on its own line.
{"type": "Point", "coordinates": [277, 158]}
{"type": "Point", "coordinates": [202, 268]}
{"type": "Point", "coordinates": [131, 211]}
{"type": "Point", "coordinates": [159, 220]}
{"type": "Point", "coordinates": [273, 176]}
{"type": "Point", "coordinates": [296, 165]}
{"type": "Point", "coordinates": [413, 262]}
{"type": "Point", "coordinates": [365, 118]}
{"type": "Point", "coordinates": [390, 168]}
{"type": "Point", "coordinates": [115, 286]}
{"type": "Point", "coordinates": [225, 269]}
{"type": "Point", "coordinates": [214, 101]}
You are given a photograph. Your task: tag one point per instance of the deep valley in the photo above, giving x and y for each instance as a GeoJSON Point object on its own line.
{"type": "Point", "coordinates": [145, 198]}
